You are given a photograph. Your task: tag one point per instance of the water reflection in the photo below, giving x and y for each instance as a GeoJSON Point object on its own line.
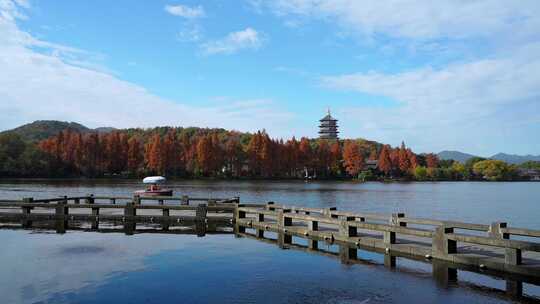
{"type": "Point", "coordinates": [445, 274]}
{"type": "Point", "coordinates": [147, 267]}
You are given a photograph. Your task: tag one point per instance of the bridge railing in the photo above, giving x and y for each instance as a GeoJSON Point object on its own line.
{"type": "Point", "coordinates": [137, 199]}
{"type": "Point", "coordinates": [329, 224]}
{"type": "Point", "coordinates": [62, 211]}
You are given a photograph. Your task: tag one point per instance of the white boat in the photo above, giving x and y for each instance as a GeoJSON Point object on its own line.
{"type": "Point", "coordinates": [154, 189]}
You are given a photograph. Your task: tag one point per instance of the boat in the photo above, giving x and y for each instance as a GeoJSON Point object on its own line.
{"type": "Point", "coordinates": [154, 189]}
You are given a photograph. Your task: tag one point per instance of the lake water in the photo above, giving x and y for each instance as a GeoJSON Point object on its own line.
{"type": "Point", "coordinates": [91, 267]}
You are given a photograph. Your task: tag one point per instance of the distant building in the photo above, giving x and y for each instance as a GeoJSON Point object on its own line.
{"type": "Point", "coordinates": [371, 164]}
{"type": "Point", "coordinates": [530, 174]}
{"type": "Point", "coordinates": [328, 129]}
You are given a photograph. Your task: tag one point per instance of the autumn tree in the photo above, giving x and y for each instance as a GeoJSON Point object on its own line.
{"type": "Point", "coordinates": [154, 154]}
{"type": "Point", "coordinates": [135, 155]}
{"type": "Point", "coordinates": [385, 163]}
{"type": "Point", "coordinates": [335, 158]}
{"type": "Point", "coordinates": [404, 163]}
{"type": "Point", "coordinates": [233, 155]}
{"type": "Point", "coordinates": [352, 158]}
{"type": "Point", "coordinates": [172, 153]}
{"type": "Point", "coordinates": [432, 161]}
{"type": "Point", "coordinates": [323, 157]}
{"type": "Point", "coordinates": [305, 153]}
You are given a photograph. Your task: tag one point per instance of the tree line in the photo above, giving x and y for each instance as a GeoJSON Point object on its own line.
{"type": "Point", "coordinates": [196, 152]}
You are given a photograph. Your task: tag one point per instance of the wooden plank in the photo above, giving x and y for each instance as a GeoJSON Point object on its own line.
{"type": "Point", "coordinates": [320, 219]}
{"type": "Point", "coordinates": [521, 231]}
{"type": "Point", "coordinates": [482, 240]}
{"type": "Point", "coordinates": [373, 216]}
{"type": "Point", "coordinates": [251, 210]}
{"type": "Point", "coordinates": [390, 228]}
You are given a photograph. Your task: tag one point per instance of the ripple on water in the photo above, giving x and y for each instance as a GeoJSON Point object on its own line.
{"type": "Point", "coordinates": [79, 250]}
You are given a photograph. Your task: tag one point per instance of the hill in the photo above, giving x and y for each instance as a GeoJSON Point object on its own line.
{"type": "Point", "coordinates": [515, 159]}
{"type": "Point", "coordinates": [455, 155]}
{"type": "Point", "coordinates": [43, 129]}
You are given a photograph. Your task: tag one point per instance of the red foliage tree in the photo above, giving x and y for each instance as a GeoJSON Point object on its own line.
{"type": "Point", "coordinates": [404, 163]}
{"type": "Point", "coordinates": [412, 159]}
{"type": "Point", "coordinates": [385, 163]}
{"type": "Point", "coordinates": [432, 161]}
{"type": "Point", "coordinates": [154, 155]}
{"type": "Point", "coordinates": [353, 160]}
{"type": "Point", "coordinates": [335, 158]}
{"type": "Point", "coordinates": [135, 156]}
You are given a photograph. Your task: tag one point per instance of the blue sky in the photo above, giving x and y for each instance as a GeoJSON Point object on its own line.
{"type": "Point", "coordinates": [461, 75]}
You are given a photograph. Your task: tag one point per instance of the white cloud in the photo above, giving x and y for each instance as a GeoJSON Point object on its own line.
{"type": "Point", "coordinates": [185, 11]}
{"type": "Point", "coordinates": [484, 97]}
{"type": "Point", "coordinates": [190, 33]}
{"type": "Point", "coordinates": [418, 19]}
{"type": "Point", "coordinates": [234, 42]}
{"type": "Point", "coordinates": [44, 85]}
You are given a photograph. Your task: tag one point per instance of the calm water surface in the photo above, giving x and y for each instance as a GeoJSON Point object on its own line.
{"type": "Point", "coordinates": [88, 267]}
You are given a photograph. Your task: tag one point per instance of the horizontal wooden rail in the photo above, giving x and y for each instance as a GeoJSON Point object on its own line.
{"type": "Point", "coordinates": [251, 210]}
{"type": "Point", "coordinates": [362, 216]}
{"type": "Point", "coordinates": [114, 217]}
{"type": "Point", "coordinates": [452, 224]}
{"type": "Point", "coordinates": [488, 241]}
{"type": "Point", "coordinates": [521, 232]}
{"type": "Point", "coordinates": [219, 207]}
{"type": "Point", "coordinates": [389, 228]}
{"type": "Point", "coordinates": [312, 218]}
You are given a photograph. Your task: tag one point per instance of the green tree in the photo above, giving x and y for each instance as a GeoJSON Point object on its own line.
{"type": "Point", "coordinates": [420, 173]}
{"type": "Point", "coordinates": [458, 171]}
{"type": "Point", "coordinates": [494, 170]}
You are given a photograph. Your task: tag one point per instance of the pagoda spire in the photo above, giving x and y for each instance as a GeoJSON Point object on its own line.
{"type": "Point", "coordinates": [328, 128]}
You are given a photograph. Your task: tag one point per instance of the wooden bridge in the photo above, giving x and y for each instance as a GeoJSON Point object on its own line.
{"type": "Point", "coordinates": [494, 249]}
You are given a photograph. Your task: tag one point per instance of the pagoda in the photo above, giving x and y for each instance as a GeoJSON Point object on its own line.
{"type": "Point", "coordinates": [328, 129]}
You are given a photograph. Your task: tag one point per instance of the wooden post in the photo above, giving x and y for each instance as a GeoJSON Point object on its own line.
{"type": "Point", "coordinates": [390, 236]}
{"type": "Point", "coordinates": [283, 222]}
{"type": "Point", "coordinates": [328, 212]}
{"type": "Point", "coordinates": [443, 274]}
{"type": "Point", "coordinates": [441, 245]}
{"type": "Point", "coordinates": [26, 223]}
{"type": "Point", "coordinates": [389, 260]}
{"type": "Point", "coordinates": [61, 217]}
{"type": "Point", "coordinates": [95, 214]}
{"type": "Point", "coordinates": [239, 215]}
{"type": "Point", "coordinates": [313, 243]}
{"type": "Point", "coordinates": [129, 221]}
{"type": "Point", "coordinates": [346, 231]}
{"type": "Point", "coordinates": [89, 199]}
{"type": "Point", "coordinates": [260, 231]}
{"type": "Point", "coordinates": [512, 256]}
{"type": "Point", "coordinates": [514, 288]}
{"type": "Point", "coordinates": [394, 219]}
{"type": "Point", "coordinates": [165, 224]}
{"type": "Point", "coordinates": [200, 219]}
{"type": "Point", "coordinates": [495, 230]}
